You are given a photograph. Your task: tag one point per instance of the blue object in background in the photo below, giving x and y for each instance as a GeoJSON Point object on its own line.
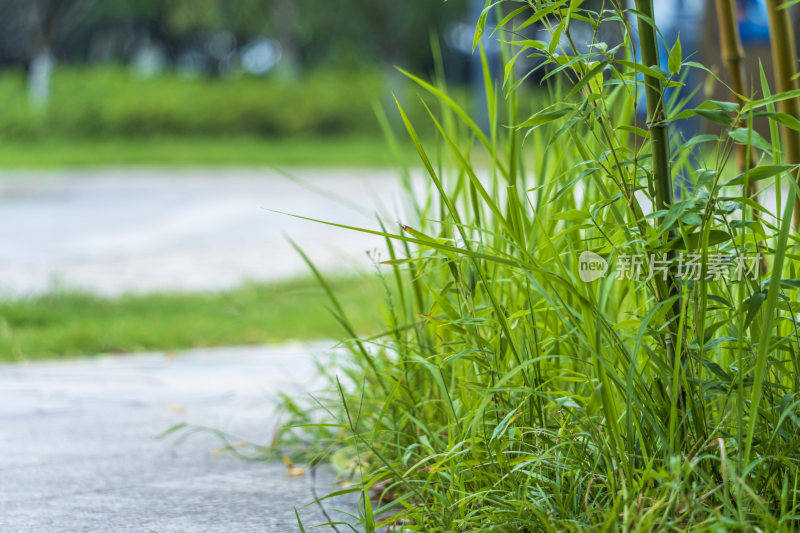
{"type": "Point", "coordinates": [677, 18]}
{"type": "Point", "coordinates": [753, 22]}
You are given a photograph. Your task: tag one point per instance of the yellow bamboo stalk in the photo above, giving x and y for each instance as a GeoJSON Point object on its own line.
{"type": "Point", "coordinates": [784, 61]}
{"type": "Point", "coordinates": [733, 56]}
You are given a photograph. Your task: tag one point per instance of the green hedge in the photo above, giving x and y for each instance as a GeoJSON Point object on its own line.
{"type": "Point", "coordinates": [102, 102]}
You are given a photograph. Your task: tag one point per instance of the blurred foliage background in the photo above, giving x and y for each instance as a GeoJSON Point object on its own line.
{"type": "Point", "coordinates": [108, 81]}
{"type": "Point", "coordinates": [84, 69]}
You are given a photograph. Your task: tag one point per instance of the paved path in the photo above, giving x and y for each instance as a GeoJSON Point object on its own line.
{"type": "Point", "coordinates": [118, 230]}
{"type": "Point", "coordinates": [79, 446]}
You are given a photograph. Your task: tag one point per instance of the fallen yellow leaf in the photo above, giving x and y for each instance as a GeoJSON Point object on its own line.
{"type": "Point", "coordinates": [294, 471]}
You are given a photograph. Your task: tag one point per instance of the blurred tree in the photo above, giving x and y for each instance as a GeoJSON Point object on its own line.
{"type": "Point", "coordinates": [286, 22]}
{"type": "Point", "coordinates": [312, 34]}
{"type": "Point", "coordinates": [352, 31]}
{"type": "Point", "coordinates": [243, 18]}
{"type": "Point", "coordinates": [43, 25]}
{"type": "Point", "coordinates": [369, 31]}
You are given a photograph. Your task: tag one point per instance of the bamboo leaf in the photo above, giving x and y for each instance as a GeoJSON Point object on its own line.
{"type": "Point", "coordinates": [751, 137]}
{"type": "Point", "coordinates": [782, 118]}
{"type": "Point", "coordinates": [556, 37]}
{"type": "Point", "coordinates": [594, 77]}
{"type": "Point", "coordinates": [544, 116]}
{"type": "Point", "coordinates": [480, 27]}
{"type": "Point", "coordinates": [538, 15]}
{"type": "Point", "coordinates": [730, 107]}
{"type": "Point", "coordinates": [692, 241]}
{"type": "Point", "coordinates": [674, 59]}
{"type": "Point", "coordinates": [753, 305]}
{"type": "Point", "coordinates": [715, 115]}
{"type": "Point", "coordinates": [758, 173]}
{"type": "Point", "coordinates": [643, 69]}
{"type": "Point", "coordinates": [672, 215]}
{"type": "Point", "coordinates": [505, 20]}
{"type": "Point", "coordinates": [779, 97]}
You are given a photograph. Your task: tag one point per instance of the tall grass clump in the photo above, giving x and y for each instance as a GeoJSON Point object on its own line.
{"type": "Point", "coordinates": [580, 333]}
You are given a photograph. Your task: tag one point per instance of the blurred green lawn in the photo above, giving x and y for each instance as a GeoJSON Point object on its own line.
{"type": "Point", "coordinates": [71, 324]}
{"type": "Point", "coordinates": [355, 151]}
{"type": "Point", "coordinates": [106, 101]}
{"type": "Point", "coordinates": [105, 115]}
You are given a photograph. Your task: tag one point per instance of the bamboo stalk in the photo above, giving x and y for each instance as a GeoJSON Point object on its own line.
{"type": "Point", "coordinates": [656, 115]}
{"type": "Point", "coordinates": [655, 108]}
{"type": "Point", "coordinates": [733, 56]}
{"type": "Point", "coordinates": [784, 60]}
{"type": "Point", "coordinates": [659, 138]}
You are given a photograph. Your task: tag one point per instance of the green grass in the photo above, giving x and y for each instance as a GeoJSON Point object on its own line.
{"type": "Point", "coordinates": [181, 151]}
{"type": "Point", "coordinates": [65, 324]}
{"type": "Point", "coordinates": [511, 394]}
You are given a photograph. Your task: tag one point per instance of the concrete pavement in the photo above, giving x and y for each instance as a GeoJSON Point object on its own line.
{"type": "Point", "coordinates": [116, 230]}
{"type": "Point", "coordinates": [80, 447]}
